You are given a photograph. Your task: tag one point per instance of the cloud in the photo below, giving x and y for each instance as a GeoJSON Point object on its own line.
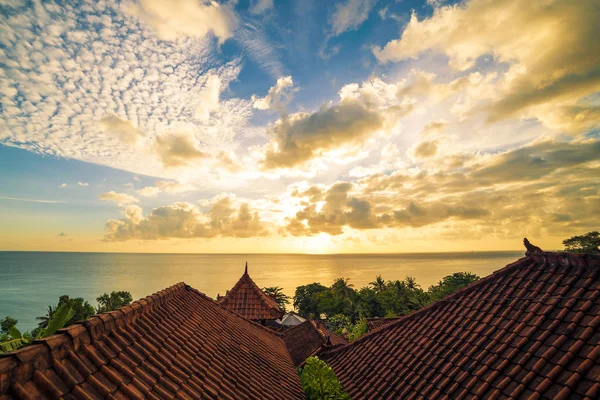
{"type": "Point", "coordinates": [426, 149]}
{"type": "Point", "coordinates": [278, 96]}
{"type": "Point", "coordinates": [63, 185]}
{"type": "Point", "coordinates": [32, 200]}
{"type": "Point", "coordinates": [362, 111]}
{"type": "Point", "coordinates": [186, 18]}
{"type": "Point", "coordinates": [62, 234]}
{"type": "Point", "coordinates": [177, 150]}
{"type": "Point", "coordinates": [119, 198]}
{"type": "Point", "coordinates": [165, 187]}
{"type": "Point", "coordinates": [209, 97]}
{"type": "Point", "coordinates": [350, 15]}
{"type": "Point", "coordinates": [548, 185]}
{"type": "Point", "coordinates": [225, 217]}
{"type": "Point", "coordinates": [260, 6]}
{"type": "Point", "coordinates": [121, 128]}
{"type": "Point", "coordinates": [433, 128]}
{"type": "Point", "coordinates": [84, 184]}
{"type": "Point", "coordinates": [514, 32]}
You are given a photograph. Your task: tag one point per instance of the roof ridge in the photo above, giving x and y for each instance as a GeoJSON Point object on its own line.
{"type": "Point", "coordinates": [267, 301]}
{"type": "Point", "coordinates": [531, 257]}
{"type": "Point", "coordinates": [278, 334]}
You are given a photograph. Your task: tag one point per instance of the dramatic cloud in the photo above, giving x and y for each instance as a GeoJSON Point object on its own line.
{"type": "Point", "coordinates": [165, 187]}
{"type": "Point", "coordinates": [551, 48]}
{"type": "Point", "coordinates": [361, 112]}
{"type": "Point", "coordinates": [224, 218]}
{"type": "Point", "coordinates": [121, 128]}
{"type": "Point", "coordinates": [176, 18]}
{"type": "Point", "coordinates": [119, 198]}
{"type": "Point", "coordinates": [425, 149]}
{"type": "Point", "coordinates": [278, 96]}
{"type": "Point", "coordinates": [546, 184]}
{"type": "Point", "coordinates": [177, 149]}
{"type": "Point", "coordinates": [350, 15]}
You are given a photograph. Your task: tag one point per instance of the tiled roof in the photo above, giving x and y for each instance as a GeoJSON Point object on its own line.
{"type": "Point", "coordinates": [246, 299]}
{"type": "Point", "coordinates": [309, 338]}
{"type": "Point", "coordinates": [530, 330]}
{"type": "Point", "coordinates": [374, 323]}
{"type": "Point", "coordinates": [176, 343]}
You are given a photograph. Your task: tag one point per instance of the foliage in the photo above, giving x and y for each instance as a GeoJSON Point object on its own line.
{"type": "Point", "coordinates": [378, 284]}
{"type": "Point", "coordinates": [6, 324]}
{"type": "Point", "coordinates": [451, 284]}
{"type": "Point", "coordinates": [46, 318]}
{"type": "Point", "coordinates": [303, 298]}
{"type": "Point", "coordinates": [112, 301]}
{"type": "Point", "coordinates": [58, 320]}
{"type": "Point", "coordinates": [83, 309]}
{"type": "Point", "coordinates": [358, 330]}
{"type": "Point", "coordinates": [319, 381]}
{"type": "Point", "coordinates": [338, 322]}
{"type": "Point", "coordinates": [277, 293]}
{"type": "Point", "coordinates": [341, 288]}
{"type": "Point", "coordinates": [354, 309]}
{"type": "Point", "coordinates": [587, 243]}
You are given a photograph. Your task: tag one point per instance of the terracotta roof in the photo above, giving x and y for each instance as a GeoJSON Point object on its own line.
{"type": "Point", "coordinates": [246, 299]}
{"type": "Point", "coordinates": [175, 343]}
{"type": "Point", "coordinates": [308, 339]}
{"type": "Point", "coordinates": [530, 330]}
{"type": "Point", "coordinates": [374, 323]}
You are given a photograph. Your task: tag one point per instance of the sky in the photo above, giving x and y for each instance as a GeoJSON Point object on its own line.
{"type": "Point", "coordinates": [350, 126]}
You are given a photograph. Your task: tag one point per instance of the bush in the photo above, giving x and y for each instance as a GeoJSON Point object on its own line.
{"type": "Point", "coordinates": [358, 330]}
{"type": "Point", "coordinates": [319, 381]}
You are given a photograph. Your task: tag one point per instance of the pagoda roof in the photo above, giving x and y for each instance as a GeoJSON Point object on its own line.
{"type": "Point", "coordinates": [248, 300]}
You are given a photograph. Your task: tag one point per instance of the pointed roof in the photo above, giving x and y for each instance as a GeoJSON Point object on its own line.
{"type": "Point", "coordinates": [529, 330]}
{"type": "Point", "coordinates": [246, 299]}
{"type": "Point", "coordinates": [175, 343]}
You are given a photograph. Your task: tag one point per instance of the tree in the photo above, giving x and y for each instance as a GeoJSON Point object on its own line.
{"type": "Point", "coordinates": [358, 330]}
{"type": "Point", "coordinates": [354, 309]}
{"type": "Point", "coordinates": [378, 284]}
{"type": "Point", "coordinates": [371, 304]}
{"type": "Point", "coordinates": [587, 243]}
{"type": "Point", "coordinates": [6, 324]}
{"type": "Point", "coordinates": [277, 293]}
{"type": "Point", "coordinates": [46, 318]}
{"type": "Point", "coordinates": [113, 301]}
{"type": "Point", "coordinates": [319, 381]}
{"type": "Point", "coordinates": [451, 284]}
{"type": "Point", "coordinates": [81, 308]}
{"type": "Point", "coordinates": [342, 288]}
{"type": "Point", "coordinates": [304, 301]}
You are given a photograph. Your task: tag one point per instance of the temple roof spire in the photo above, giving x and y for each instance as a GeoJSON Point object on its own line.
{"type": "Point", "coordinates": [246, 269]}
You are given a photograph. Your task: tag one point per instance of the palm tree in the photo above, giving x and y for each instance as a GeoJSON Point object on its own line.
{"type": "Point", "coordinates": [411, 283]}
{"type": "Point", "coordinates": [46, 318]}
{"type": "Point", "coordinates": [342, 288]}
{"type": "Point", "coordinates": [378, 284]}
{"type": "Point", "coordinates": [354, 309]}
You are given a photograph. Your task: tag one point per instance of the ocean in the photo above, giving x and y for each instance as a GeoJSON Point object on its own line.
{"type": "Point", "coordinates": [30, 281]}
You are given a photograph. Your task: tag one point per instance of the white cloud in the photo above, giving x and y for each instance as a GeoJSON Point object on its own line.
{"type": "Point", "coordinates": [165, 187]}
{"type": "Point", "coordinates": [278, 96]}
{"type": "Point", "coordinates": [63, 185]}
{"type": "Point", "coordinates": [84, 184]}
{"type": "Point", "coordinates": [119, 198]}
{"type": "Point", "coordinates": [121, 128]}
{"type": "Point", "coordinates": [176, 18]}
{"type": "Point", "coordinates": [350, 15]}
{"type": "Point", "coordinates": [32, 200]}
{"type": "Point", "coordinates": [260, 6]}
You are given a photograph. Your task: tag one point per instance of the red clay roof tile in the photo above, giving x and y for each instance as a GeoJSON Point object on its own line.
{"type": "Point", "coordinates": [177, 343]}
{"type": "Point", "coordinates": [527, 330]}
{"type": "Point", "coordinates": [246, 299]}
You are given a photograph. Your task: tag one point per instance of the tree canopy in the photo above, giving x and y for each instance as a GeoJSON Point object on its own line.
{"type": "Point", "coordinates": [281, 298]}
{"type": "Point", "coordinates": [587, 243]}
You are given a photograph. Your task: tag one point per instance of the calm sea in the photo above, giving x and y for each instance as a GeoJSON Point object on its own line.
{"type": "Point", "coordinates": [30, 281]}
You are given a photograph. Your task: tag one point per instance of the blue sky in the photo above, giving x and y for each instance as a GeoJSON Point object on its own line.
{"type": "Point", "coordinates": [304, 126]}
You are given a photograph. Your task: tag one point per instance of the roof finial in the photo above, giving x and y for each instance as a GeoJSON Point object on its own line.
{"type": "Point", "coordinates": [246, 270]}
{"type": "Point", "coordinates": [531, 248]}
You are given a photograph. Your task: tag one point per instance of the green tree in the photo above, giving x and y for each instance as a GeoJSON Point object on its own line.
{"type": "Point", "coordinates": [587, 243]}
{"type": "Point", "coordinates": [304, 301]}
{"type": "Point", "coordinates": [371, 304]}
{"type": "Point", "coordinates": [277, 293]}
{"type": "Point", "coordinates": [451, 284]}
{"type": "Point", "coordinates": [342, 288]}
{"type": "Point", "coordinates": [354, 309]}
{"type": "Point", "coordinates": [81, 308]}
{"type": "Point", "coordinates": [46, 318]}
{"type": "Point", "coordinates": [358, 330]}
{"type": "Point", "coordinates": [327, 303]}
{"type": "Point", "coordinates": [6, 324]}
{"type": "Point", "coordinates": [338, 322]}
{"type": "Point", "coordinates": [319, 381]}
{"type": "Point", "coordinates": [378, 284]}
{"type": "Point", "coordinates": [113, 301]}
